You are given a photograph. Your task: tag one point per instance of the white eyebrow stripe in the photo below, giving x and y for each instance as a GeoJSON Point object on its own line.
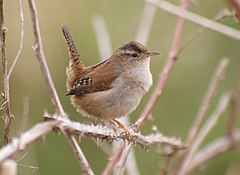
{"type": "Point", "coordinates": [127, 51]}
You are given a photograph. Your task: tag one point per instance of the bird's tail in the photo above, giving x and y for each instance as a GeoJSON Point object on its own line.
{"type": "Point", "coordinates": [75, 63]}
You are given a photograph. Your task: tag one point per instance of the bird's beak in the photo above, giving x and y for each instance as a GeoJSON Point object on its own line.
{"type": "Point", "coordinates": [153, 53]}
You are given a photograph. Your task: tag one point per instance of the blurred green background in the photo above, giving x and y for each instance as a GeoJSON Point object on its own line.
{"type": "Point", "coordinates": [174, 112]}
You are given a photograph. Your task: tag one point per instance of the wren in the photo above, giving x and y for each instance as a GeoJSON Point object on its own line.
{"type": "Point", "coordinates": [112, 88]}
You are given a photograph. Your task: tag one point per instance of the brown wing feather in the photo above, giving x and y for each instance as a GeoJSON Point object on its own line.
{"type": "Point", "coordinates": [86, 81]}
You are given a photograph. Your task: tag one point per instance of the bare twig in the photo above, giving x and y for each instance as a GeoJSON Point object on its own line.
{"type": "Point", "coordinates": [80, 155]}
{"type": "Point", "coordinates": [218, 75]}
{"type": "Point", "coordinates": [121, 164]}
{"type": "Point", "coordinates": [222, 105]}
{"type": "Point", "coordinates": [21, 39]}
{"type": "Point", "coordinates": [9, 167]}
{"type": "Point", "coordinates": [131, 164]}
{"type": "Point", "coordinates": [103, 38]}
{"type": "Point", "coordinates": [48, 79]}
{"type": "Point", "coordinates": [113, 160]}
{"type": "Point", "coordinates": [146, 23]}
{"type": "Point", "coordinates": [75, 128]}
{"type": "Point", "coordinates": [236, 6]}
{"type": "Point", "coordinates": [38, 48]}
{"type": "Point", "coordinates": [105, 133]}
{"type": "Point", "coordinates": [221, 28]}
{"type": "Point", "coordinates": [166, 165]}
{"type": "Point", "coordinates": [212, 150]}
{"type": "Point", "coordinates": [25, 115]}
{"type": "Point", "coordinates": [234, 108]}
{"type": "Point", "coordinates": [7, 117]}
{"type": "Point", "coordinates": [26, 139]}
{"type": "Point", "coordinates": [221, 15]}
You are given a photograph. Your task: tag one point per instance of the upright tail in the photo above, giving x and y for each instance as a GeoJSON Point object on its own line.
{"type": "Point", "coordinates": [75, 63]}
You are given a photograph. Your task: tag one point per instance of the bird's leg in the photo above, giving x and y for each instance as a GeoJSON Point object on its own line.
{"type": "Point", "coordinates": [120, 125]}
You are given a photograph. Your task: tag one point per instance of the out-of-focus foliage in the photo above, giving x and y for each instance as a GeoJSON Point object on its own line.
{"type": "Point", "coordinates": [174, 112]}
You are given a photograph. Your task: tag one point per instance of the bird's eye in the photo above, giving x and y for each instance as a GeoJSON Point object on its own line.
{"type": "Point", "coordinates": [134, 55]}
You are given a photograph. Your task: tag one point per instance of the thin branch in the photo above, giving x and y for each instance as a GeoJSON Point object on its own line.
{"type": "Point", "coordinates": [221, 15]}
{"type": "Point", "coordinates": [234, 108]}
{"type": "Point", "coordinates": [96, 132]}
{"type": "Point", "coordinates": [103, 38]}
{"type": "Point", "coordinates": [7, 117]}
{"type": "Point", "coordinates": [221, 28]}
{"type": "Point", "coordinates": [113, 160]}
{"type": "Point", "coordinates": [212, 150]}
{"type": "Point", "coordinates": [21, 39]}
{"type": "Point", "coordinates": [25, 115]}
{"type": "Point", "coordinates": [236, 7]}
{"type": "Point", "coordinates": [121, 164]}
{"type": "Point", "coordinates": [79, 154]}
{"type": "Point", "coordinates": [146, 23]}
{"type": "Point", "coordinates": [131, 164]}
{"type": "Point", "coordinates": [217, 76]}
{"type": "Point", "coordinates": [212, 88]}
{"type": "Point", "coordinates": [47, 77]}
{"type": "Point", "coordinates": [222, 105]}
{"type": "Point", "coordinates": [38, 48]}
{"type": "Point", "coordinates": [166, 165]}
{"type": "Point", "coordinates": [105, 133]}
{"type": "Point", "coordinates": [9, 167]}
{"type": "Point", "coordinates": [27, 138]}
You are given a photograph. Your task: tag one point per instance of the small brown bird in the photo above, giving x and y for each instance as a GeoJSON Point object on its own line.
{"type": "Point", "coordinates": [112, 88]}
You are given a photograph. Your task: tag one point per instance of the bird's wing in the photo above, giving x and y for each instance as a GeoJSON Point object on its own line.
{"type": "Point", "coordinates": [94, 79]}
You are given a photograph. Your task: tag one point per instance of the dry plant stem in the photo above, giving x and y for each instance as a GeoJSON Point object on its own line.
{"type": "Point", "coordinates": [113, 160]}
{"type": "Point", "coordinates": [121, 164]}
{"type": "Point", "coordinates": [217, 76]}
{"type": "Point", "coordinates": [27, 138]}
{"type": "Point", "coordinates": [87, 170]}
{"type": "Point", "coordinates": [228, 31]}
{"type": "Point", "coordinates": [236, 6]}
{"type": "Point", "coordinates": [234, 108]}
{"type": "Point", "coordinates": [7, 112]}
{"type": "Point", "coordinates": [223, 14]}
{"type": "Point", "coordinates": [146, 23]}
{"type": "Point", "coordinates": [97, 132]}
{"type": "Point", "coordinates": [104, 133]}
{"type": "Point", "coordinates": [212, 88]}
{"type": "Point", "coordinates": [103, 38]}
{"type": "Point", "coordinates": [38, 48]}
{"type": "Point", "coordinates": [46, 74]}
{"type": "Point", "coordinates": [25, 115]}
{"type": "Point", "coordinates": [9, 167]}
{"type": "Point", "coordinates": [166, 165]}
{"type": "Point", "coordinates": [21, 39]}
{"type": "Point", "coordinates": [7, 117]}
{"type": "Point", "coordinates": [131, 164]}
{"type": "Point", "coordinates": [212, 150]}
{"type": "Point", "coordinates": [222, 105]}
